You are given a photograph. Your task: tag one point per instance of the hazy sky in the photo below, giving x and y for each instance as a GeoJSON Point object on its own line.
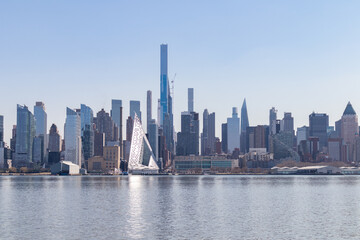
{"type": "Point", "coordinates": [298, 56]}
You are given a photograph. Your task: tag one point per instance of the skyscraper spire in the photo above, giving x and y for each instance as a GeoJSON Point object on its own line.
{"type": "Point", "coordinates": [243, 127]}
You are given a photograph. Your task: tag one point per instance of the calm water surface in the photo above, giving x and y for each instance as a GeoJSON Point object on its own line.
{"type": "Point", "coordinates": [180, 207]}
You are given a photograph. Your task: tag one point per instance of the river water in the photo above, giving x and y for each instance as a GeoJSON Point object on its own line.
{"type": "Point", "coordinates": [180, 207]}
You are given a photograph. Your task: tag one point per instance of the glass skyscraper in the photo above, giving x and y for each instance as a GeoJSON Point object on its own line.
{"type": "Point", "coordinates": [41, 132]}
{"type": "Point", "coordinates": [135, 108]}
{"type": "Point", "coordinates": [87, 131]}
{"type": "Point", "coordinates": [73, 137]}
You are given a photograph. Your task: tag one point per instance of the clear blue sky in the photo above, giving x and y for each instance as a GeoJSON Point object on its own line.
{"type": "Point", "coordinates": [298, 56]}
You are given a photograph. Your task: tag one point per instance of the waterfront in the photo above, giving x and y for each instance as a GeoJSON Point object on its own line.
{"type": "Point", "coordinates": [179, 207]}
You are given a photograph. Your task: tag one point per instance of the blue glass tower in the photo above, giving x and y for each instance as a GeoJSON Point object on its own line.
{"type": "Point", "coordinates": [164, 82]}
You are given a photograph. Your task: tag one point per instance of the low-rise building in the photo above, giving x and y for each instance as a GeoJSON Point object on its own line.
{"type": "Point", "coordinates": [108, 162]}
{"type": "Point", "coordinates": [204, 163]}
{"type": "Point", "coordinates": [65, 168]}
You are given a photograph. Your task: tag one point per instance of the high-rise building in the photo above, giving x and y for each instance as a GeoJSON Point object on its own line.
{"type": "Point", "coordinates": [349, 130]}
{"type": "Point", "coordinates": [302, 134]}
{"type": "Point", "coordinates": [208, 135]}
{"type": "Point", "coordinates": [41, 132]}
{"type": "Point", "coordinates": [190, 99]}
{"type": "Point", "coordinates": [73, 137]}
{"type": "Point", "coordinates": [318, 125]}
{"type": "Point", "coordinates": [188, 138]}
{"type": "Point", "coordinates": [244, 125]}
{"type": "Point", "coordinates": [25, 133]}
{"type": "Point", "coordinates": [54, 146]}
{"type": "Point", "coordinates": [153, 136]}
{"type": "Point", "coordinates": [135, 108]}
{"type": "Point", "coordinates": [87, 131]}
{"type": "Point", "coordinates": [148, 110]}
{"type": "Point", "coordinates": [116, 116]}
{"type": "Point", "coordinates": [272, 120]}
{"type": "Point", "coordinates": [104, 124]}
{"type": "Point", "coordinates": [224, 147]}
{"type": "Point", "coordinates": [166, 114]}
{"type": "Point", "coordinates": [233, 131]}
{"type": "Point", "coordinates": [1, 128]}
{"type": "Point", "coordinates": [288, 123]}
{"type": "Point", "coordinates": [129, 128]}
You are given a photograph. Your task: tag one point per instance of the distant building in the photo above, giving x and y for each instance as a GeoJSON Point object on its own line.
{"type": "Point", "coordinates": [302, 134]}
{"type": "Point", "coordinates": [153, 136]}
{"type": "Point", "coordinates": [318, 125]}
{"type": "Point", "coordinates": [190, 100]}
{"type": "Point", "coordinates": [54, 139]}
{"type": "Point", "coordinates": [224, 146]}
{"type": "Point", "coordinates": [188, 138]}
{"type": "Point", "coordinates": [148, 110]}
{"type": "Point", "coordinates": [110, 160]}
{"type": "Point", "coordinates": [73, 137]}
{"type": "Point", "coordinates": [208, 134]}
{"type": "Point", "coordinates": [25, 133]}
{"type": "Point", "coordinates": [116, 116]}
{"type": "Point", "coordinates": [334, 149]}
{"type": "Point", "coordinates": [104, 124]}
{"type": "Point", "coordinates": [99, 143]}
{"type": "Point", "coordinates": [135, 109]}
{"type": "Point", "coordinates": [87, 131]}
{"type": "Point", "coordinates": [349, 130]}
{"type": "Point", "coordinates": [41, 132]}
{"type": "Point", "coordinates": [288, 123]}
{"type": "Point", "coordinates": [233, 131]}
{"type": "Point", "coordinates": [1, 128]}
{"type": "Point", "coordinates": [204, 163]}
{"type": "Point", "coordinates": [244, 125]}
{"type": "Point", "coordinates": [272, 121]}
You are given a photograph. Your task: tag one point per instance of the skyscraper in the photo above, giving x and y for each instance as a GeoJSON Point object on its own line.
{"type": "Point", "coordinates": [272, 121]}
{"type": "Point", "coordinates": [318, 125]}
{"type": "Point", "coordinates": [153, 138]}
{"type": "Point", "coordinates": [73, 137]}
{"type": "Point", "coordinates": [1, 128]}
{"type": "Point", "coordinates": [233, 131]}
{"type": "Point", "coordinates": [166, 114]}
{"type": "Point", "coordinates": [288, 123]}
{"type": "Point", "coordinates": [190, 99]}
{"type": "Point", "coordinates": [148, 110]}
{"type": "Point", "coordinates": [208, 135]}
{"type": "Point", "coordinates": [135, 108]}
{"type": "Point", "coordinates": [116, 115]}
{"type": "Point", "coordinates": [54, 139]}
{"type": "Point", "coordinates": [349, 130]}
{"type": "Point", "coordinates": [25, 133]}
{"type": "Point", "coordinates": [104, 124]}
{"type": "Point", "coordinates": [224, 147]}
{"type": "Point", "coordinates": [244, 125]}
{"type": "Point", "coordinates": [41, 131]}
{"type": "Point", "coordinates": [87, 131]}
{"type": "Point", "coordinates": [188, 138]}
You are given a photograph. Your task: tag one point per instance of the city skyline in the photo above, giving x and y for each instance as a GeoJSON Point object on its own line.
{"type": "Point", "coordinates": [63, 63]}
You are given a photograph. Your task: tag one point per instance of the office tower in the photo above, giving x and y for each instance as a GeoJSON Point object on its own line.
{"type": "Point", "coordinates": [104, 124]}
{"type": "Point", "coordinates": [318, 125]}
{"type": "Point", "coordinates": [73, 137]}
{"type": "Point", "coordinates": [54, 139]}
{"type": "Point", "coordinates": [129, 128]}
{"type": "Point", "coordinates": [188, 138]}
{"type": "Point", "coordinates": [99, 143]}
{"type": "Point", "coordinates": [224, 147]}
{"type": "Point", "coordinates": [1, 128]}
{"type": "Point", "coordinates": [13, 140]}
{"type": "Point", "coordinates": [349, 130]}
{"type": "Point", "coordinates": [87, 131]}
{"type": "Point", "coordinates": [244, 125]}
{"type": "Point", "coordinates": [135, 108]}
{"type": "Point", "coordinates": [190, 99]}
{"type": "Point", "coordinates": [334, 149]}
{"type": "Point", "coordinates": [154, 138]}
{"type": "Point", "coordinates": [302, 134]}
{"type": "Point", "coordinates": [148, 110]}
{"type": "Point", "coordinates": [41, 132]}
{"type": "Point", "coordinates": [208, 134]}
{"type": "Point", "coordinates": [25, 133]}
{"type": "Point", "coordinates": [288, 123]}
{"type": "Point", "coordinates": [38, 147]}
{"type": "Point", "coordinates": [116, 116]}
{"type": "Point", "coordinates": [233, 131]}
{"type": "Point", "coordinates": [54, 146]}
{"type": "Point", "coordinates": [166, 113]}
{"type": "Point", "coordinates": [272, 120]}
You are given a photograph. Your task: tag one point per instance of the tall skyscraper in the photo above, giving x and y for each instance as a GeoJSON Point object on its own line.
{"type": "Point", "coordinates": [318, 125]}
{"type": "Point", "coordinates": [233, 131]}
{"type": "Point", "coordinates": [87, 131]}
{"type": "Point", "coordinates": [288, 123]}
{"type": "Point", "coordinates": [272, 121]}
{"type": "Point", "coordinates": [244, 125]}
{"type": "Point", "coordinates": [54, 139]}
{"type": "Point", "coordinates": [41, 131]}
{"type": "Point", "coordinates": [208, 135]}
{"type": "Point", "coordinates": [166, 114]}
{"type": "Point", "coordinates": [73, 137]}
{"type": "Point", "coordinates": [25, 133]}
{"type": "Point", "coordinates": [116, 115]}
{"type": "Point", "coordinates": [153, 138]}
{"type": "Point", "coordinates": [104, 124]}
{"type": "Point", "coordinates": [1, 128]}
{"type": "Point", "coordinates": [349, 130]}
{"type": "Point", "coordinates": [188, 138]}
{"type": "Point", "coordinates": [135, 108]}
{"type": "Point", "coordinates": [302, 134]}
{"type": "Point", "coordinates": [164, 82]}
{"type": "Point", "coordinates": [148, 110]}
{"type": "Point", "coordinates": [190, 99]}
{"type": "Point", "coordinates": [224, 147]}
